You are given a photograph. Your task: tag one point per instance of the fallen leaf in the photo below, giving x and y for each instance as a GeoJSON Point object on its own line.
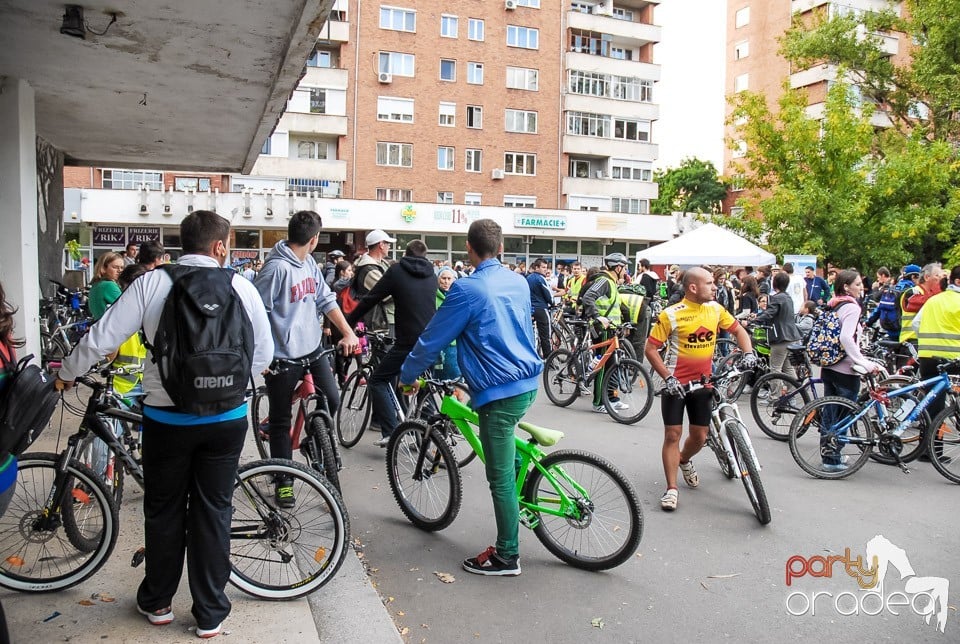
{"type": "Point", "coordinates": [953, 608]}
{"type": "Point", "coordinates": [445, 577]}
{"type": "Point", "coordinates": [400, 613]}
{"type": "Point", "coordinates": [705, 587]}
{"type": "Point", "coordinates": [373, 570]}
{"type": "Point", "coordinates": [639, 555]}
{"type": "Point", "coordinates": [389, 599]}
{"type": "Point", "coordinates": [616, 528]}
{"type": "Point", "coordinates": [375, 487]}
{"type": "Point", "coordinates": [414, 569]}
{"type": "Point", "coordinates": [426, 626]}
{"type": "Point", "coordinates": [86, 602]}
{"type": "Point", "coordinates": [597, 622]}
{"type": "Point", "coordinates": [404, 631]}
{"type": "Point", "coordinates": [735, 574]}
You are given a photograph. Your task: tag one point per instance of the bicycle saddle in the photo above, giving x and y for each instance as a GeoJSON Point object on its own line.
{"type": "Point", "coordinates": [542, 435]}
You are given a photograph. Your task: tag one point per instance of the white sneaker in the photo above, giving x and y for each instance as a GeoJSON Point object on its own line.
{"type": "Point", "coordinates": [668, 502]}
{"type": "Point", "coordinates": [599, 409]}
{"type": "Point", "coordinates": [207, 633]}
{"type": "Point", "coordinates": [690, 476]}
{"type": "Point", "coordinates": [621, 406]}
{"type": "Point", "coordinates": [382, 442]}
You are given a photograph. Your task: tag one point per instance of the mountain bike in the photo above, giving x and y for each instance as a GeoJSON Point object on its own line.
{"type": "Point", "coordinates": [626, 389]}
{"type": "Point", "coordinates": [580, 506]}
{"type": "Point", "coordinates": [850, 432]}
{"type": "Point", "coordinates": [63, 522]}
{"type": "Point", "coordinates": [355, 411]}
{"type": "Point", "coordinates": [733, 387]}
{"type": "Point", "coordinates": [729, 440]}
{"type": "Point", "coordinates": [312, 421]}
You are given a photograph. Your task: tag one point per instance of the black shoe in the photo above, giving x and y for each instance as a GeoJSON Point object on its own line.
{"type": "Point", "coordinates": [283, 493]}
{"type": "Point", "coordinates": [491, 564]}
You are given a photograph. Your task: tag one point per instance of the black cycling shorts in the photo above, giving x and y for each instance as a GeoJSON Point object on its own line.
{"type": "Point", "coordinates": [698, 404]}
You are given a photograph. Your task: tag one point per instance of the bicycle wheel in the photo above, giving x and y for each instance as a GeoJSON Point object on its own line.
{"type": "Point", "coordinates": [628, 382]}
{"type": "Point", "coordinates": [285, 553]}
{"type": "Point", "coordinates": [324, 459]}
{"type": "Point", "coordinates": [943, 443]}
{"type": "Point", "coordinates": [731, 388]}
{"type": "Point", "coordinates": [775, 400]}
{"type": "Point", "coordinates": [428, 404]}
{"type": "Point", "coordinates": [428, 489]}
{"type": "Point", "coordinates": [749, 470]}
{"type": "Point", "coordinates": [560, 378]}
{"type": "Point", "coordinates": [627, 347]}
{"type": "Point", "coordinates": [811, 439]}
{"type": "Point", "coordinates": [602, 523]}
{"type": "Point", "coordinates": [713, 440]}
{"type": "Point", "coordinates": [723, 348]}
{"type": "Point", "coordinates": [95, 454]}
{"type": "Point", "coordinates": [37, 553]}
{"type": "Point", "coordinates": [353, 415]}
{"type": "Point", "coordinates": [911, 443]}
{"type": "Point", "coordinates": [260, 421]}
{"type": "Point", "coordinates": [52, 349]}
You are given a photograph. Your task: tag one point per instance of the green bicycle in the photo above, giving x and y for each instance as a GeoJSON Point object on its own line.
{"type": "Point", "coordinates": [594, 525]}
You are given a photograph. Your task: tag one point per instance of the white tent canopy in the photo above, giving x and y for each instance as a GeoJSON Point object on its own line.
{"type": "Point", "coordinates": [708, 244]}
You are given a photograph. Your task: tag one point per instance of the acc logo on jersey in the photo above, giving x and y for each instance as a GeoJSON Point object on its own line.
{"type": "Point", "coordinates": [700, 336]}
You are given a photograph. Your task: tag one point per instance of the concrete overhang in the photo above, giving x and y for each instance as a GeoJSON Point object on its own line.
{"type": "Point", "coordinates": [187, 84]}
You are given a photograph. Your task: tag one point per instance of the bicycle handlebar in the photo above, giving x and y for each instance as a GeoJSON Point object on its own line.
{"type": "Point", "coordinates": [280, 365]}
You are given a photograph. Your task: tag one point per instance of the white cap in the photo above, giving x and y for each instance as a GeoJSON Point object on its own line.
{"type": "Point", "coordinates": [377, 236]}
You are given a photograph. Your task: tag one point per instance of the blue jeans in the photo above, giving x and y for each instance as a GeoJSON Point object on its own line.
{"type": "Point", "coordinates": [847, 386]}
{"type": "Point", "coordinates": [381, 382]}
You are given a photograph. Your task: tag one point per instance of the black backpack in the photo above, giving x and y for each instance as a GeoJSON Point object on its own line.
{"type": "Point", "coordinates": [26, 406]}
{"type": "Point", "coordinates": [203, 347]}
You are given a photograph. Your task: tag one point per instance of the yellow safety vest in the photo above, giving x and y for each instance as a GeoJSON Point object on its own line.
{"type": "Point", "coordinates": [609, 305]}
{"type": "Point", "coordinates": [634, 304]}
{"type": "Point", "coordinates": [906, 318]}
{"type": "Point", "coordinates": [131, 353]}
{"type": "Point", "coordinates": [939, 335]}
{"type": "Point", "coordinates": [574, 284]}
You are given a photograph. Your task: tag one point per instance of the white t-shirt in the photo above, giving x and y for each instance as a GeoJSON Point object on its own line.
{"type": "Point", "coordinates": [796, 289]}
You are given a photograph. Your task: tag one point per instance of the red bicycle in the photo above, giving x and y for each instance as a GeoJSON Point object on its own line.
{"type": "Point", "coordinates": [312, 430]}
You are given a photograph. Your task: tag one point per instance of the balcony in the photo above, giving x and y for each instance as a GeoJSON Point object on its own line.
{"type": "Point", "coordinates": [888, 43]}
{"type": "Point", "coordinates": [335, 31]}
{"type": "Point", "coordinates": [595, 146]}
{"type": "Point", "coordinates": [308, 123]}
{"type": "Point", "coordinates": [813, 75]}
{"type": "Point", "coordinates": [879, 119]}
{"type": "Point", "coordinates": [329, 77]}
{"type": "Point", "coordinates": [330, 170]}
{"type": "Point", "coordinates": [611, 106]}
{"type": "Point", "coordinates": [615, 66]}
{"type": "Point", "coordinates": [609, 188]}
{"type": "Point", "coordinates": [802, 6]}
{"type": "Point", "coordinates": [635, 33]}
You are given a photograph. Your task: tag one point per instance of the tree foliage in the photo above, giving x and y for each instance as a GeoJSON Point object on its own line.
{"type": "Point", "coordinates": [839, 187]}
{"type": "Point", "coordinates": [693, 186]}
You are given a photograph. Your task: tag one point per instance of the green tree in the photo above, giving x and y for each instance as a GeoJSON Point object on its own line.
{"type": "Point", "coordinates": [693, 186]}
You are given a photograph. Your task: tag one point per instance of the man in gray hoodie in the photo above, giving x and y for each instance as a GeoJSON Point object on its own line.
{"type": "Point", "coordinates": [296, 297]}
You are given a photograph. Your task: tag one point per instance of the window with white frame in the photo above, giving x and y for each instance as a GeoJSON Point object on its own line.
{"type": "Point", "coordinates": [621, 53]}
{"type": "Point", "coordinates": [524, 37]}
{"type": "Point", "coordinates": [741, 82]}
{"type": "Point", "coordinates": [523, 121]}
{"type": "Point", "coordinates": [523, 78]}
{"type": "Point", "coordinates": [627, 170]}
{"type": "Point", "coordinates": [265, 149]}
{"type": "Point", "coordinates": [474, 117]}
{"type": "Point", "coordinates": [475, 29]}
{"type": "Point", "coordinates": [475, 73]}
{"type": "Point", "coordinates": [737, 211]}
{"type": "Point", "coordinates": [318, 100]}
{"type": "Point", "coordinates": [589, 83]}
{"type": "Point", "coordinates": [622, 14]}
{"type": "Point", "coordinates": [396, 63]}
{"type": "Point", "coordinates": [579, 168]}
{"type": "Point", "coordinates": [533, 4]}
{"type": "Point", "coordinates": [448, 114]}
{"type": "Point", "coordinates": [448, 69]}
{"type": "Point", "coordinates": [646, 91]}
{"type": "Point", "coordinates": [472, 198]}
{"type": "Point", "coordinates": [320, 59]}
{"type": "Point", "coordinates": [312, 150]}
{"type": "Point", "coordinates": [474, 162]}
{"type": "Point", "coordinates": [394, 194]}
{"type": "Point", "coordinates": [519, 201]}
{"type": "Point", "coordinates": [742, 17]}
{"type": "Point", "coordinates": [630, 206]}
{"type": "Point", "coordinates": [395, 109]}
{"type": "Point", "coordinates": [739, 149]}
{"type": "Point", "coordinates": [631, 130]}
{"type": "Point", "coordinates": [520, 163]}
{"type": "Point", "coordinates": [397, 19]}
{"type": "Point", "coordinates": [395, 154]}
{"type": "Point", "coordinates": [738, 182]}
{"type": "Point", "coordinates": [741, 50]}
{"type": "Point", "coordinates": [449, 25]}
{"type": "Point", "coordinates": [588, 124]}
{"type": "Point", "coordinates": [131, 179]}
{"type": "Point", "coordinates": [445, 157]}
{"type": "Point", "coordinates": [444, 197]}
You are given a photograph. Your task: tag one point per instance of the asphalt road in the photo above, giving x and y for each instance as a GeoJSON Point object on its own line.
{"type": "Point", "coordinates": [707, 572]}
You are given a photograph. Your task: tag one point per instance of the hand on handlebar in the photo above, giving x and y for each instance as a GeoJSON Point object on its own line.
{"type": "Point", "coordinates": [603, 321]}
{"type": "Point", "coordinates": [62, 385]}
{"type": "Point", "coordinates": [349, 344]}
{"type": "Point", "coordinates": [411, 389]}
{"type": "Point", "coordinates": [747, 362]}
{"type": "Point", "coordinates": [672, 387]}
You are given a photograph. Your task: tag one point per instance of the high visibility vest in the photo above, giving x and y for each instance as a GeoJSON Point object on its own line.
{"type": "Point", "coordinates": [906, 318]}
{"type": "Point", "coordinates": [609, 305]}
{"type": "Point", "coordinates": [634, 304]}
{"type": "Point", "coordinates": [574, 284]}
{"type": "Point", "coordinates": [939, 335]}
{"type": "Point", "coordinates": [131, 353]}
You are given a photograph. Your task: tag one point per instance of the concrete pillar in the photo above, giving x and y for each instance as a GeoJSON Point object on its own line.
{"type": "Point", "coordinates": [18, 208]}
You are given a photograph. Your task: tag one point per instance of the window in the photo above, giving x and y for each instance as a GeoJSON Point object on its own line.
{"type": "Point", "coordinates": [472, 199]}
{"type": "Point", "coordinates": [590, 42]}
{"type": "Point", "coordinates": [395, 154]}
{"type": "Point", "coordinates": [445, 158]}
{"type": "Point", "coordinates": [395, 63]}
{"type": "Point", "coordinates": [320, 59]}
{"type": "Point", "coordinates": [742, 17]}
{"type": "Point", "coordinates": [741, 50]}
{"type": "Point", "coordinates": [191, 183]}
{"type": "Point", "coordinates": [520, 163]}
{"type": "Point", "coordinates": [395, 109]}
{"type": "Point", "coordinates": [631, 171]}
{"type": "Point", "coordinates": [523, 121]}
{"type": "Point", "coordinates": [474, 117]}
{"type": "Point", "coordinates": [587, 124]}
{"type": "Point", "coordinates": [621, 54]}
{"type": "Point", "coordinates": [302, 187]}
{"type": "Point", "coordinates": [519, 201]}
{"type": "Point", "coordinates": [318, 101]}
{"type": "Point", "coordinates": [630, 206]}
{"type": "Point", "coordinates": [589, 83]}
{"type": "Point", "coordinates": [739, 149]}
{"type": "Point", "coordinates": [474, 161]}
{"type": "Point", "coordinates": [738, 182]}
{"type": "Point", "coordinates": [475, 73]}
{"type": "Point", "coordinates": [533, 4]}
{"type": "Point", "coordinates": [444, 197]}
{"type": "Point", "coordinates": [448, 26]}
{"type": "Point", "coordinates": [448, 114]}
{"type": "Point", "coordinates": [448, 69]}
{"type": "Point", "coordinates": [132, 179]}
{"type": "Point", "coordinates": [646, 91]}
{"type": "Point", "coordinates": [579, 169]}
{"type": "Point", "coordinates": [475, 29]}
{"type": "Point", "coordinates": [525, 37]}
{"type": "Point", "coordinates": [398, 19]}
{"type": "Point", "coordinates": [266, 147]}
{"type": "Point", "coordinates": [741, 82]}
{"type": "Point", "coordinates": [312, 150]}
{"type": "Point", "coordinates": [631, 130]}
{"type": "Point", "coordinates": [622, 14]}
{"type": "Point", "coordinates": [394, 194]}
{"type": "Point", "coordinates": [523, 78]}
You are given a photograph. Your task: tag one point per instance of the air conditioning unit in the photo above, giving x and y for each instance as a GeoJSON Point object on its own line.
{"type": "Point", "coordinates": [385, 77]}
{"type": "Point", "coordinates": [509, 5]}
{"type": "Point", "coordinates": [497, 173]}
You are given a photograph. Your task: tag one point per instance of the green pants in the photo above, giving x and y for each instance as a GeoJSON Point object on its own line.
{"type": "Point", "coordinates": [497, 422]}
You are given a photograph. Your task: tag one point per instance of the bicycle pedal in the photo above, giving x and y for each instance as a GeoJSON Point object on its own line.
{"type": "Point", "coordinates": [138, 557]}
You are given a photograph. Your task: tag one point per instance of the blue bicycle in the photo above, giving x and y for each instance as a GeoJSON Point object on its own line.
{"type": "Point", "coordinates": [833, 437]}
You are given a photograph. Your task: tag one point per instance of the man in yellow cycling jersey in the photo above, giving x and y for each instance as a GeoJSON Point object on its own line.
{"type": "Point", "coordinates": [689, 329]}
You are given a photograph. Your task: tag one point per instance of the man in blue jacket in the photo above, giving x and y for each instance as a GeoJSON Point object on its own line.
{"type": "Point", "coordinates": [488, 314]}
{"type": "Point", "coordinates": [541, 297]}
